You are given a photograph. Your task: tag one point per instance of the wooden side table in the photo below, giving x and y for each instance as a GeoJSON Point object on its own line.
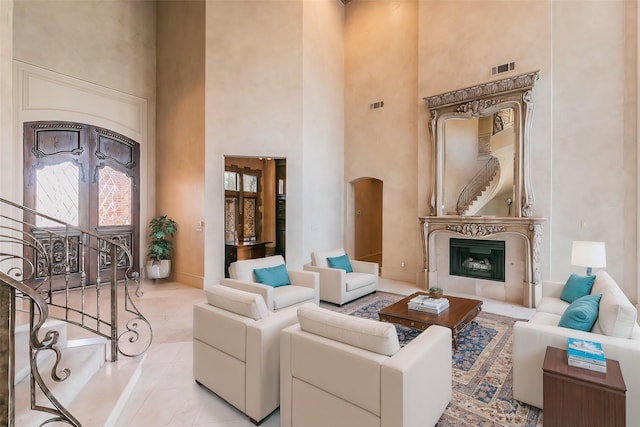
{"type": "Point", "coordinates": [580, 397]}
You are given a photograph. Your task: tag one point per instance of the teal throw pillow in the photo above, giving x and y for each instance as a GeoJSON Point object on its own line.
{"type": "Point", "coordinates": [273, 276]}
{"type": "Point", "coordinates": [582, 313]}
{"type": "Point", "coordinates": [577, 286]}
{"type": "Point", "coordinates": [342, 262]}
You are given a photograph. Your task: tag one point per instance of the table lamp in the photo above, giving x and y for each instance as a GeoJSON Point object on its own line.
{"type": "Point", "coordinates": [588, 254]}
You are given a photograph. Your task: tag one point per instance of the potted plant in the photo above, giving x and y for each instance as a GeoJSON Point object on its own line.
{"type": "Point", "coordinates": [435, 292]}
{"type": "Point", "coordinates": [160, 245]}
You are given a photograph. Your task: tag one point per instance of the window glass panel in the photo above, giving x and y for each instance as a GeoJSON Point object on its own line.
{"type": "Point", "coordinates": [249, 218]}
{"type": "Point", "coordinates": [57, 194]}
{"type": "Point", "coordinates": [231, 181]}
{"type": "Point", "coordinates": [231, 213]}
{"type": "Point", "coordinates": [114, 197]}
{"type": "Point", "coordinates": [250, 183]}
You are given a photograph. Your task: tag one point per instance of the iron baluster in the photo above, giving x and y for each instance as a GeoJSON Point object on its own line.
{"type": "Point", "coordinates": [27, 249]}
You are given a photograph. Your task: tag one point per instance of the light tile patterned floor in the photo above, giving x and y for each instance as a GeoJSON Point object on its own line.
{"type": "Point", "coordinates": [166, 393]}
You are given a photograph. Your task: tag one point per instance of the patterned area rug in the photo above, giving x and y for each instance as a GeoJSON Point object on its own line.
{"type": "Point", "coordinates": [482, 368]}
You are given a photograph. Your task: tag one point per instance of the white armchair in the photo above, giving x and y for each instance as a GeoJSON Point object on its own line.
{"type": "Point", "coordinates": [303, 288]}
{"type": "Point", "coordinates": [236, 349]}
{"type": "Point", "coordinates": [336, 285]}
{"type": "Point", "coordinates": [343, 371]}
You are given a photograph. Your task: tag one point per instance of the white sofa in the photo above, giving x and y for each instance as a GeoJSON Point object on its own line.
{"type": "Point", "coordinates": [303, 288]}
{"type": "Point", "coordinates": [616, 328]}
{"type": "Point", "coordinates": [339, 370]}
{"type": "Point", "coordinates": [336, 285]}
{"type": "Point", "coordinates": [236, 349]}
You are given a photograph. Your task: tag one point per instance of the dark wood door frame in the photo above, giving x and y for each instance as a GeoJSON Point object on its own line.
{"type": "Point", "coordinates": [90, 148]}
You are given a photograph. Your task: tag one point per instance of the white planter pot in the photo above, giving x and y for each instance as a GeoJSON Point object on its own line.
{"type": "Point", "coordinates": [158, 270]}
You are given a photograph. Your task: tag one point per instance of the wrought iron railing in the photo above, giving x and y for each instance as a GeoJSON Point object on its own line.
{"type": "Point", "coordinates": [28, 254]}
{"type": "Point", "coordinates": [477, 185]}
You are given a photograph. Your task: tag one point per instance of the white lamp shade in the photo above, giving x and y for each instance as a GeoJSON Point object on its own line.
{"type": "Point", "coordinates": [588, 254]}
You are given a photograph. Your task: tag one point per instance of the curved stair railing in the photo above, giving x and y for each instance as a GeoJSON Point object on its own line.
{"type": "Point", "coordinates": [10, 290]}
{"type": "Point", "coordinates": [27, 273]}
{"type": "Point", "coordinates": [479, 183]}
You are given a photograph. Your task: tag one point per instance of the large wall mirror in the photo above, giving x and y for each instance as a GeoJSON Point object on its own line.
{"type": "Point", "coordinates": [480, 138]}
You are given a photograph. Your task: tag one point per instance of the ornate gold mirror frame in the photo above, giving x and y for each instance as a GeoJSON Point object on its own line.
{"type": "Point", "coordinates": [479, 101]}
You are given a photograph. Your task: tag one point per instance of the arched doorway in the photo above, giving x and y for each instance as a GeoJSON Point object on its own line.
{"type": "Point", "coordinates": [367, 204]}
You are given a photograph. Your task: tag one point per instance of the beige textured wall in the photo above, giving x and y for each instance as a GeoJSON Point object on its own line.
{"type": "Point", "coordinates": [253, 99]}
{"type": "Point", "coordinates": [110, 43]}
{"type": "Point", "coordinates": [322, 127]}
{"type": "Point", "coordinates": [180, 128]}
{"type": "Point", "coordinates": [259, 104]}
{"type": "Point", "coordinates": [594, 139]}
{"type": "Point", "coordinates": [8, 185]}
{"type": "Point", "coordinates": [381, 64]}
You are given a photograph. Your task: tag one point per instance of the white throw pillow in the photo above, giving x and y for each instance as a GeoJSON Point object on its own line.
{"type": "Point", "coordinates": [243, 269]}
{"type": "Point", "coordinates": [367, 334]}
{"type": "Point", "coordinates": [616, 315]}
{"type": "Point", "coordinates": [243, 303]}
{"type": "Point", "coordinates": [319, 259]}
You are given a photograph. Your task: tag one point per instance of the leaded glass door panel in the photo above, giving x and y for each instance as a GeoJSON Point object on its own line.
{"type": "Point", "coordinates": [242, 205]}
{"type": "Point", "coordinates": [87, 177]}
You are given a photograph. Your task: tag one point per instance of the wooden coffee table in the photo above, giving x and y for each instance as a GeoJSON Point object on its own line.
{"type": "Point", "coordinates": [460, 312]}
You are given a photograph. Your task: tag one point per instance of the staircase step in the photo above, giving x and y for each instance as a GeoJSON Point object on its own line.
{"type": "Point", "coordinates": [83, 362]}
{"type": "Point", "coordinates": [104, 398]}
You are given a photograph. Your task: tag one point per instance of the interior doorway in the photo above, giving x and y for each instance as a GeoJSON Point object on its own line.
{"type": "Point", "coordinates": [367, 193]}
{"type": "Point", "coordinates": [255, 208]}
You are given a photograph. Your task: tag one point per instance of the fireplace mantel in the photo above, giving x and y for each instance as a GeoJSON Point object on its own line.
{"type": "Point", "coordinates": [528, 228]}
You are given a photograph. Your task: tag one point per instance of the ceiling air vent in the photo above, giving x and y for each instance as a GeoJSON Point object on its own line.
{"type": "Point", "coordinates": [376, 105]}
{"type": "Point", "coordinates": [499, 69]}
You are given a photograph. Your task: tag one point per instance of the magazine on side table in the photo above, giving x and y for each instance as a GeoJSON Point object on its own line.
{"type": "Point", "coordinates": [586, 354]}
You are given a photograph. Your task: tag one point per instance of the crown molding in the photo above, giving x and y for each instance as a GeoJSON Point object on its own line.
{"type": "Point", "coordinates": [503, 86]}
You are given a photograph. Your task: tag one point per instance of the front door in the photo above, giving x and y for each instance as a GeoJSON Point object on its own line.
{"type": "Point", "coordinates": [88, 177]}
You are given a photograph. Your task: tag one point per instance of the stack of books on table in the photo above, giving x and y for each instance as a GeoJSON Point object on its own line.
{"type": "Point", "coordinates": [428, 305]}
{"type": "Point", "coordinates": [586, 354]}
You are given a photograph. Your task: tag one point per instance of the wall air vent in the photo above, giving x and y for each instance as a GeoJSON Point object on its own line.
{"type": "Point", "coordinates": [503, 68]}
{"type": "Point", "coordinates": [376, 105]}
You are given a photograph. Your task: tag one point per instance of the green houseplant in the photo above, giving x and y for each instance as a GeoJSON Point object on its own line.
{"type": "Point", "coordinates": [435, 292]}
{"type": "Point", "coordinates": [160, 246]}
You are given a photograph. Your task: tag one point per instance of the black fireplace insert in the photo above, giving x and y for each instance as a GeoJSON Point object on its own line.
{"type": "Point", "coordinates": [479, 259]}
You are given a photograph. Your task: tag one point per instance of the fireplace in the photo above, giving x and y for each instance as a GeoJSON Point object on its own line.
{"type": "Point", "coordinates": [523, 241]}
{"type": "Point", "coordinates": [479, 259]}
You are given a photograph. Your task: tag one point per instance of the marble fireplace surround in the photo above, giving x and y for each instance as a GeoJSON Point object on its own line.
{"type": "Point", "coordinates": [526, 229]}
